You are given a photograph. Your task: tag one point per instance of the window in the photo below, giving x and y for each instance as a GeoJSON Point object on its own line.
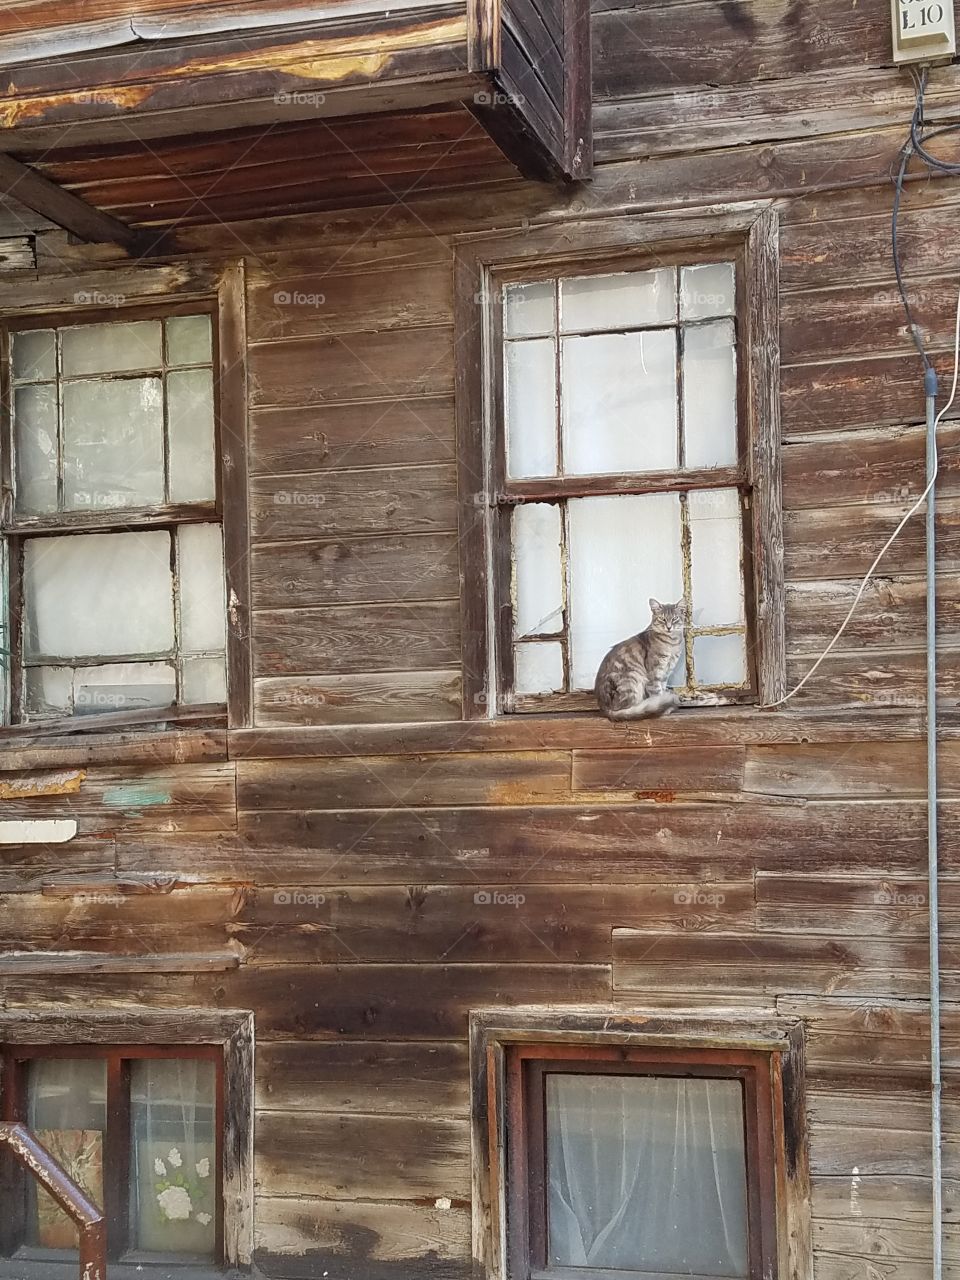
{"type": "Point", "coordinates": [645, 1164]}
{"type": "Point", "coordinates": [625, 447]}
{"type": "Point", "coordinates": [140, 1130]}
{"type": "Point", "coordinates": [113, 544]}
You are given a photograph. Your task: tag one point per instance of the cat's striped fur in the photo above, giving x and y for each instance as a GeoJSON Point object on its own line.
{"type": "Point", "coordinates": [631, 682]}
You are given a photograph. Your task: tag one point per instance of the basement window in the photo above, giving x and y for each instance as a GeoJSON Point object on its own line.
{"type": "Point", "coordinates": [624, 447]}
{"type": "Point", "coordinates": [113, 545]}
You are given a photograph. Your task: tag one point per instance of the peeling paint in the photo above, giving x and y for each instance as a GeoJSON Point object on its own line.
{"type": "Point", "coordinates": [65, 783]}
{"type": "Point", "coordinates": [135, 797]}
{"type": "Point", "coordinates": [38, 831]}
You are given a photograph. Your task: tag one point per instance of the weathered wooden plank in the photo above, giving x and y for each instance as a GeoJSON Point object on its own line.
{"type": "Point", "coordinates": [366, 433]}
{"type": "Point", "coordinates": [891, 614]}
{"type": "Point", "coordinates": [355, 571]}
{"type": "Point", "coordinates": [167, 746]}
{"type": "Point", "coordinates": [342, 1157]}
{"type": "Point", "coordinates": [851, 770]}
{"type": "Point", "coordinates": [464, 778]}
{"type": "Point", "coordinates": [372, 500]}
{"type": "Point", "coordinates": [661, 773]}
{"type": "Point", "coordinates": [50, 964]}
{"type": "Point", "coordinates": [301, 304]}
{"type": "Point", "coordinates": [881, 679]}
{"type": "Point", "coordinates": [898, 1244]}
{"type": "Point", "coordinates": [298, 1236]}
{"type": "Point", "coordinates": [355, 1076]}
{"type": "Point", "coordinates": [844, 541]}
{"type": "Point", "coordinates": [886, 465]}
{"type": "Point", "coordinates": [864, 906]}
{"type": "Point", "coordinates": [662, 968]}
{"type": "Point", "coordinates": [357, 639]}
{"type": "Point", "coordinates": [24, 868]}
{"type": "Point", "coordinates": [378, 698]}
{"type": "Point", "coordinates": [872, 1196]}
{"type": "Point", "coordinates": [434, 924]}
{"type": "Point", "coordinates": [317, 370]}
{"type": "Point", "coordinates": [193, 797]}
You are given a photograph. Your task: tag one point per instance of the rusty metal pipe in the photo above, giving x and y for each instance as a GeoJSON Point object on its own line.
{"type": "Point", "coordinates": [91, 1224]}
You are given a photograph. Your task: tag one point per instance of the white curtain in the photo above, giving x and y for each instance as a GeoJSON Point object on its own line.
{"type": "Point", "coordinates": [647, 1172]}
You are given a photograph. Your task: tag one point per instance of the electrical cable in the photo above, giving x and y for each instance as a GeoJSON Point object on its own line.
{"type": "Point", "coordinates": [914, 145]}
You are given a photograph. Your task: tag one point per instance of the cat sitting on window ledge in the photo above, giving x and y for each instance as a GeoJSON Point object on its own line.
{"type": "Point", "coordinates": [631, 682]}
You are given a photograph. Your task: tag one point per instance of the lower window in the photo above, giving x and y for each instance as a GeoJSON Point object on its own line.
{"type": "Point", "coordinates": [139, 1129]}
{"type": "Point", "coordinates": [640, 1164]}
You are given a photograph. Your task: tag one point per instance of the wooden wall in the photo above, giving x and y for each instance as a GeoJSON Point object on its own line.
{"type": "Point", "coordinates": [322, 867]}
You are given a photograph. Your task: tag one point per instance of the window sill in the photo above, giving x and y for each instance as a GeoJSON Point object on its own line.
{"type": "Point", "coordinates": [36, 1268]}
{"type": "Point", "coordinates": [182, 735]}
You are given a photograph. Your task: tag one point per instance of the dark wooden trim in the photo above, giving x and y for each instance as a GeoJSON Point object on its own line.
{"type": "Point", "coordinates": [67, 210]}
{"type": "Point", "coordinates": [577, 89]}
{"type": "Point", "coordinates": [557, 487]}
{"type": "Point", "coordinates": [231, 355]}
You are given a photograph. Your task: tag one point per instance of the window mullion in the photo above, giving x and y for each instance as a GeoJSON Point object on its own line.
{"type": "Point", "coordinates": [116, 1157]}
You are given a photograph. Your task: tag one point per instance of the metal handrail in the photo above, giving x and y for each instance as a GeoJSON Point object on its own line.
{"type": "Point", "coordinates": [91, 1224]}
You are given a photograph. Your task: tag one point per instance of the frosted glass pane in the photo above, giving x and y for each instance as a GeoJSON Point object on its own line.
{"type": "Point", "coordinates": [98, 593]}
{"type": "Point", "coordinates": [112, 443]}
{"type": "Point", "coordinates": [204, 680]}
{"type": "Point", "coordinates": [530, 395]}
{"type": "Point", "coordinates": [720, 659]}
{"type": "Point", "coordinates": [622, 551]}
{"type": "Point", "coordinates": [538, 668]}
{"type": "Point", "coordinates": [189, 340]}
{"type": "Point", "coordinates": [202, 601]}
{"type": "Point", "coordinates": [710, 395]}
{"type": "Point", "coordinates": [618, 301]}
{"type": "Point", "coordinates": [34, 355]}
{"type": "Point", "coordinates": [716, 543]}
{"type": "Point", "coordinates": [646, 1174]}
{"type": "Point", "coordinates": [123, 686]}
{"type": "Point", "coordinates": [529, 308]}
{"type": "Point", "coordinates": [190, 424]}
{"type": "Point", "coordinates": [35, 436]}
{"type": "Point", "coordinates": [538, 577]}
{"type": "Point", "coordinates": [48, 690]}
{"type": "Point", "coordinates": [707, 291]}
{"type": "Point", "coordinates": [111, 348]}
{"type": "Point", "coordinates": [620, 402]}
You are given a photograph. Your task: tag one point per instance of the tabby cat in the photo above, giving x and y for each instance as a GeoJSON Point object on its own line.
{"type": "Point", "coordinates": [631, 682]}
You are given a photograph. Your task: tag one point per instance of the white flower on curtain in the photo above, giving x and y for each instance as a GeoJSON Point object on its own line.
{"type": "Point", "coordinates": [175, 1203]}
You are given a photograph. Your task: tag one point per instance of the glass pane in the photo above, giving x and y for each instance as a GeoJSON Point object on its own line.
{"type": "Point", "coordinates": [190, 424]}
{"type": "Point", "coordinates": [173, 1183]}
{"type": "Point", "coordinates": [48, 691]}
{"type": "Point", "coordinates": [34, 355]}
{"type": "Point", "coordinates": [189, 340]}
{"type": "Point", "coordinates": [647, 1173]}
{"type": "Point", "coordinates": [622, 551]}
{"type": "Point", "coordinates": [110, 348]}
{"type": "Point", "coordinates": [537, 572]}
{"type": "Point", "coordinates": [202, 594]}
{"type": "Point", "coordinates": [618, 301]}
{"type": "Point", "coordinates": [720, 660]}
{"type": "Point", "coordinates": [35, 440]}
{"type": "Point", "coordinates": [67, 1111]}
{"type": "Point", "coordinates": [530, 408]}
{"type": "Point", "coordinates": [98, 593]}
{"type": "Point", "coordinates": [538, 668]}
{"type": "Point", "coordinates": [204, 680]}
{"type": "Point", "coordinates": [707, 291]}
{"type": "Point", "coordinates": [112, 443]}
{"type": "Point", "coordinates": [529, 308]}
{"type": "Point", "coordinates": [710, 395]}
{"type": "Point", "coordinates": [123, 686]}
{"type": "Point", "coordinates": [620, 402]}
{"type": "Point", "coordinates": [716, 545]}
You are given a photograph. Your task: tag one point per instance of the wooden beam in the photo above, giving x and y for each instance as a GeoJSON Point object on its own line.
{"type": "Point", "coordinates": [63, 208]}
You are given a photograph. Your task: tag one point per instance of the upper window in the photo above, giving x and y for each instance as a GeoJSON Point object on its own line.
{"type": "Point", "coordinates": [623, 474]}
{"type": "Point", "coordinates": [640, 1164]}
{"type": "Point", "coordinates": [139, 1130]}
{"type": "Point", "coordinates": [112, 529]}
{"type": "Point", "coordinates": [625, 446]}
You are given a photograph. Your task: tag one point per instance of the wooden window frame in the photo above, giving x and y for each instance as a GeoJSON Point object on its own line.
{"type": "Point", "coordinates": [227, 1037]}
{"type": "Point", "coordinates": [745, 235]}
{"type": "Point", "coordinates": [135, 294]}
{"type": "Point", "coordinates": [744, 1043]}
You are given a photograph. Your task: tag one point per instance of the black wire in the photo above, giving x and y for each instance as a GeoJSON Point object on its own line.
{"type": "Point", "coordinates": [915, 145]}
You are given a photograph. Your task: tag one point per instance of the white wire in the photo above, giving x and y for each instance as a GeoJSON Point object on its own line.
{"type": "Point", "coordinates": [897, 531]}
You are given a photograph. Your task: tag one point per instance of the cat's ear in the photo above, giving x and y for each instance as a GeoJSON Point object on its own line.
{"type": "Point", "coordinates": [655, 605]}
